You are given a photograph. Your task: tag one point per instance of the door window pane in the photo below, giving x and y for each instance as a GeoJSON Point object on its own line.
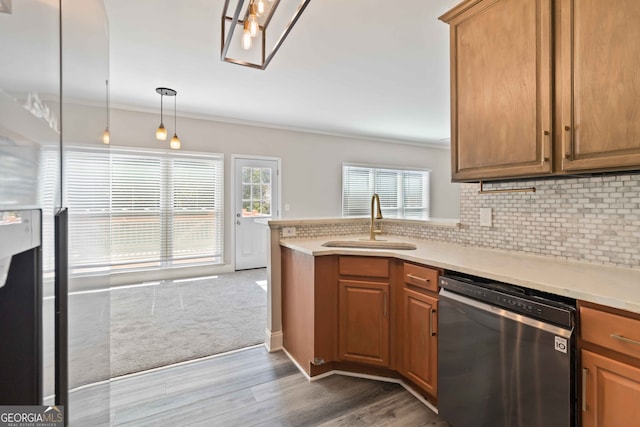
{"type": "Point", "coordinates": [256, 199]}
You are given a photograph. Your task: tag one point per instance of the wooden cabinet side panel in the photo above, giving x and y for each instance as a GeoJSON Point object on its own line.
{"type": "Point", "coordinates": [298, 306]}
{"type": "Point", "coordinates": [326, 308]}
{"type": "Point", "coordinates": [612, 392]}
{"type": "Point", "coordinates": [364, 322]}
{"type": "Point", "coordinates": [601, 97]}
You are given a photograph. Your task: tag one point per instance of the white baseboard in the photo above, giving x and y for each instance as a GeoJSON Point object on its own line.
{"type": "Point", "coordinates": [407, 387]}
{"type": "Point", "coordinates": [295, 362]}
{"type": "Point", "coordinates": [273, 341]}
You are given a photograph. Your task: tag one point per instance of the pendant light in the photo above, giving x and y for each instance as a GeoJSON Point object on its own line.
{"type": "Point", "coordinates": [161, 132]}
{"type": "Point", "coordinates": [106, 135]}
{"type": "Point", "coordinates": [174, 144]}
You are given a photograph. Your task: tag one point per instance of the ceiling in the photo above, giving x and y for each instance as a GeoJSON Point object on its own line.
{"type": "Point", "coordinates": [372, 69]}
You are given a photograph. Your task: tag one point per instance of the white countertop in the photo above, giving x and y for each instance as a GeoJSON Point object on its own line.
{"type": "Point", "coordinates": [611, 286]}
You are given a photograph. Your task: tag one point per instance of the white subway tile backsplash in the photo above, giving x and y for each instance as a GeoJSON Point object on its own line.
{"type": "Point", "coordinates": [594, 219]}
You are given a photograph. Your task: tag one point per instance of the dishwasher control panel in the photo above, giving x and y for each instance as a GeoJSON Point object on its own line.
{"type": "Point", "coordinates": [512, 298]}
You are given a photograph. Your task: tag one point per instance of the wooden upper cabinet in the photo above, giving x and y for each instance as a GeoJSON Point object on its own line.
{"type": "Point", "coordinates": [500, 88]}
{"type": "Point", "coordinates": [600, 88]}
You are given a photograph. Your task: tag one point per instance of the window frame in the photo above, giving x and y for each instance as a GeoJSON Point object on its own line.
{"type": "Point", "coordinates": [166, 210]}
{"type": "Point", "coordinates": [401, 191]}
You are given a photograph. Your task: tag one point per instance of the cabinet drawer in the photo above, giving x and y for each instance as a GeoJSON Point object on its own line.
{"type": "Point", "coordinates": [422, 277]}
{"type": "Point", "coordinates": [612, 331]}
{"type": "Point", "coordinates": [363, 266]}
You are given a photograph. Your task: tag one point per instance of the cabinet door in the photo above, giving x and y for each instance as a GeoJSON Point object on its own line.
{"type": "Point", "coordinates": [364, 322]}
{"type": "Point", "coordinates": [611, 392]}
{"type": "Point", "coordinates": [420, 341]}
{"type": "Point", "coordinates": [500, 88]}
{"type": "Point", "coordinates": [600, 56]}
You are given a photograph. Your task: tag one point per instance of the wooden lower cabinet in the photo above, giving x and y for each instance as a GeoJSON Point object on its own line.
{"type": "Point", "coordinates": [420, 340]}
{"type": "Point", "coordinates": [610, 359]}
{"type": "Point", "coordinates": [363, 326]}
{"type": "Point", "coordinates": [370, 315]}
{"type": "Point", "coordinates": [611, 392]}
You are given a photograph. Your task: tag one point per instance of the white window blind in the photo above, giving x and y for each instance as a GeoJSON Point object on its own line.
{"type": "Point", "coordinates": [156, 209]}
{"type": "Point", "coordinates": [87, 197]}
{"type": "Point", "coordinates": [403, 193]}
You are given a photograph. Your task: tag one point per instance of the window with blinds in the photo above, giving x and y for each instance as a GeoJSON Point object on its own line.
{"type": "Point", "coordinates": [403, 193]}
{"type": "Point", "coordinates": [158, 209]}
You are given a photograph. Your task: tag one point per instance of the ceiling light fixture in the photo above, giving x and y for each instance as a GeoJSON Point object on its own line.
{"type": "Point", "coordinates": [259, 18]}
{"type": "Point", "coordinates": [106, 135]}
{"type": "Point", "coordinates": [175, 144]}
{"type": "Point", "coordinates": [161, 132]}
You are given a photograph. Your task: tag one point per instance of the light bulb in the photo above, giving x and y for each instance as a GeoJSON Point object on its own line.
{"type": "Point", "coordinates": [174, 144]}
{"type": "Point", "coordinates": [253, 21]}
{"type": "Point", "coordinates": [260, 7]}
{"type": "Point", "coordinates": [161, 133]}
{"type": "Point", "coordinates": [106, 137]}
{"type": "Point", "coordinates": [246, 37]}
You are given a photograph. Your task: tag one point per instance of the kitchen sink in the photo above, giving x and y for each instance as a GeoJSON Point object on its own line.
{"type": "Point", "coordinates": [369, 244]}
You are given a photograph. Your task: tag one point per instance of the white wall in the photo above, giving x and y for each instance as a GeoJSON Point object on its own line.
{"type": "Point", "coordinates": [311, 163]}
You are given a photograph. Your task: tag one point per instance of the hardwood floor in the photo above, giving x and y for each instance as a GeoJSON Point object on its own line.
{"type": "Point", "coordinates": [255, 388]}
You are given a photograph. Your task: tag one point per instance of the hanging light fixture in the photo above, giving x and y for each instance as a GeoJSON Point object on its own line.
{"type": "Point", "coordinates": [161, 132]}
{"type": "Point", "coordinates": [255, 20]}
{"type": "Point", "coordinates": [106, 135]}
{"type": "Point", "coordinates": [174, 144]}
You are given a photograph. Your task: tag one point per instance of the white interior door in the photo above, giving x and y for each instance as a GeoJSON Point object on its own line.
{"type": "Point", "coordinates": [256, 200]}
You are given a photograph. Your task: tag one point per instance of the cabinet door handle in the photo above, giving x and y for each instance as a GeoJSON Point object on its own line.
{"type": "Point", "coordinates": [431, 323]}
{"type": "Point", "coordinates": [624, 339]}
{"type": "Point", "coordinates": [384, 304]}
{"type": "Point", "coordinates": [567, 142]}
{"type": "Point", "coordinates": [585, 371]}
{"type": "Point", "coordinates": [545, 158]}
{"type": "Point", "coordinates": [421, 279]}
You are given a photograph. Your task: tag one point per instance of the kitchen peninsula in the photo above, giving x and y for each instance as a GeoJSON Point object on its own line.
{"type": "Point", "coordinates": [303, 271]}
{"type": "Point", "coordinates": [612, 286]}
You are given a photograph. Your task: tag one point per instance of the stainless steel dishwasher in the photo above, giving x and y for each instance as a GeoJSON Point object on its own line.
{"type": "Point", "coordinates": [506, 355]}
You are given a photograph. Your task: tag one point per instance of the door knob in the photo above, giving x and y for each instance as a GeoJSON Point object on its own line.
{"type": "Point", "coordinates": [238, 222]}
{"type": "Point", "coordinates": [238, 215]}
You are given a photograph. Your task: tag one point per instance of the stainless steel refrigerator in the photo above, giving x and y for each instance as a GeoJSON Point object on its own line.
{"type": "Point", "coordinates": [53, 58]}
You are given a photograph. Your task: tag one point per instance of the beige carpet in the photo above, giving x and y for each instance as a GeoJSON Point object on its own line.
{"type": "Point", "coordinates": [175, 321]}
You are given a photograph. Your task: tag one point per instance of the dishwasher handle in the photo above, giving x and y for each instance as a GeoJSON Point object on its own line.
{"type": "Point", "coordinates": [498, 311]}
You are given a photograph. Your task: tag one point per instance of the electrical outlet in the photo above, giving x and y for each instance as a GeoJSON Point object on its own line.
{"type": "Point", "coordinates": [486, 219]}
{"type": "Point", "coordinates": [288, 232]}
{"type": "Point", "coordinates": [287, 206]}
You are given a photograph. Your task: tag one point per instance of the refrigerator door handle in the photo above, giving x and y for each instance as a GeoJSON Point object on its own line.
{"type": "Point", "coordinates": [61, 311]}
